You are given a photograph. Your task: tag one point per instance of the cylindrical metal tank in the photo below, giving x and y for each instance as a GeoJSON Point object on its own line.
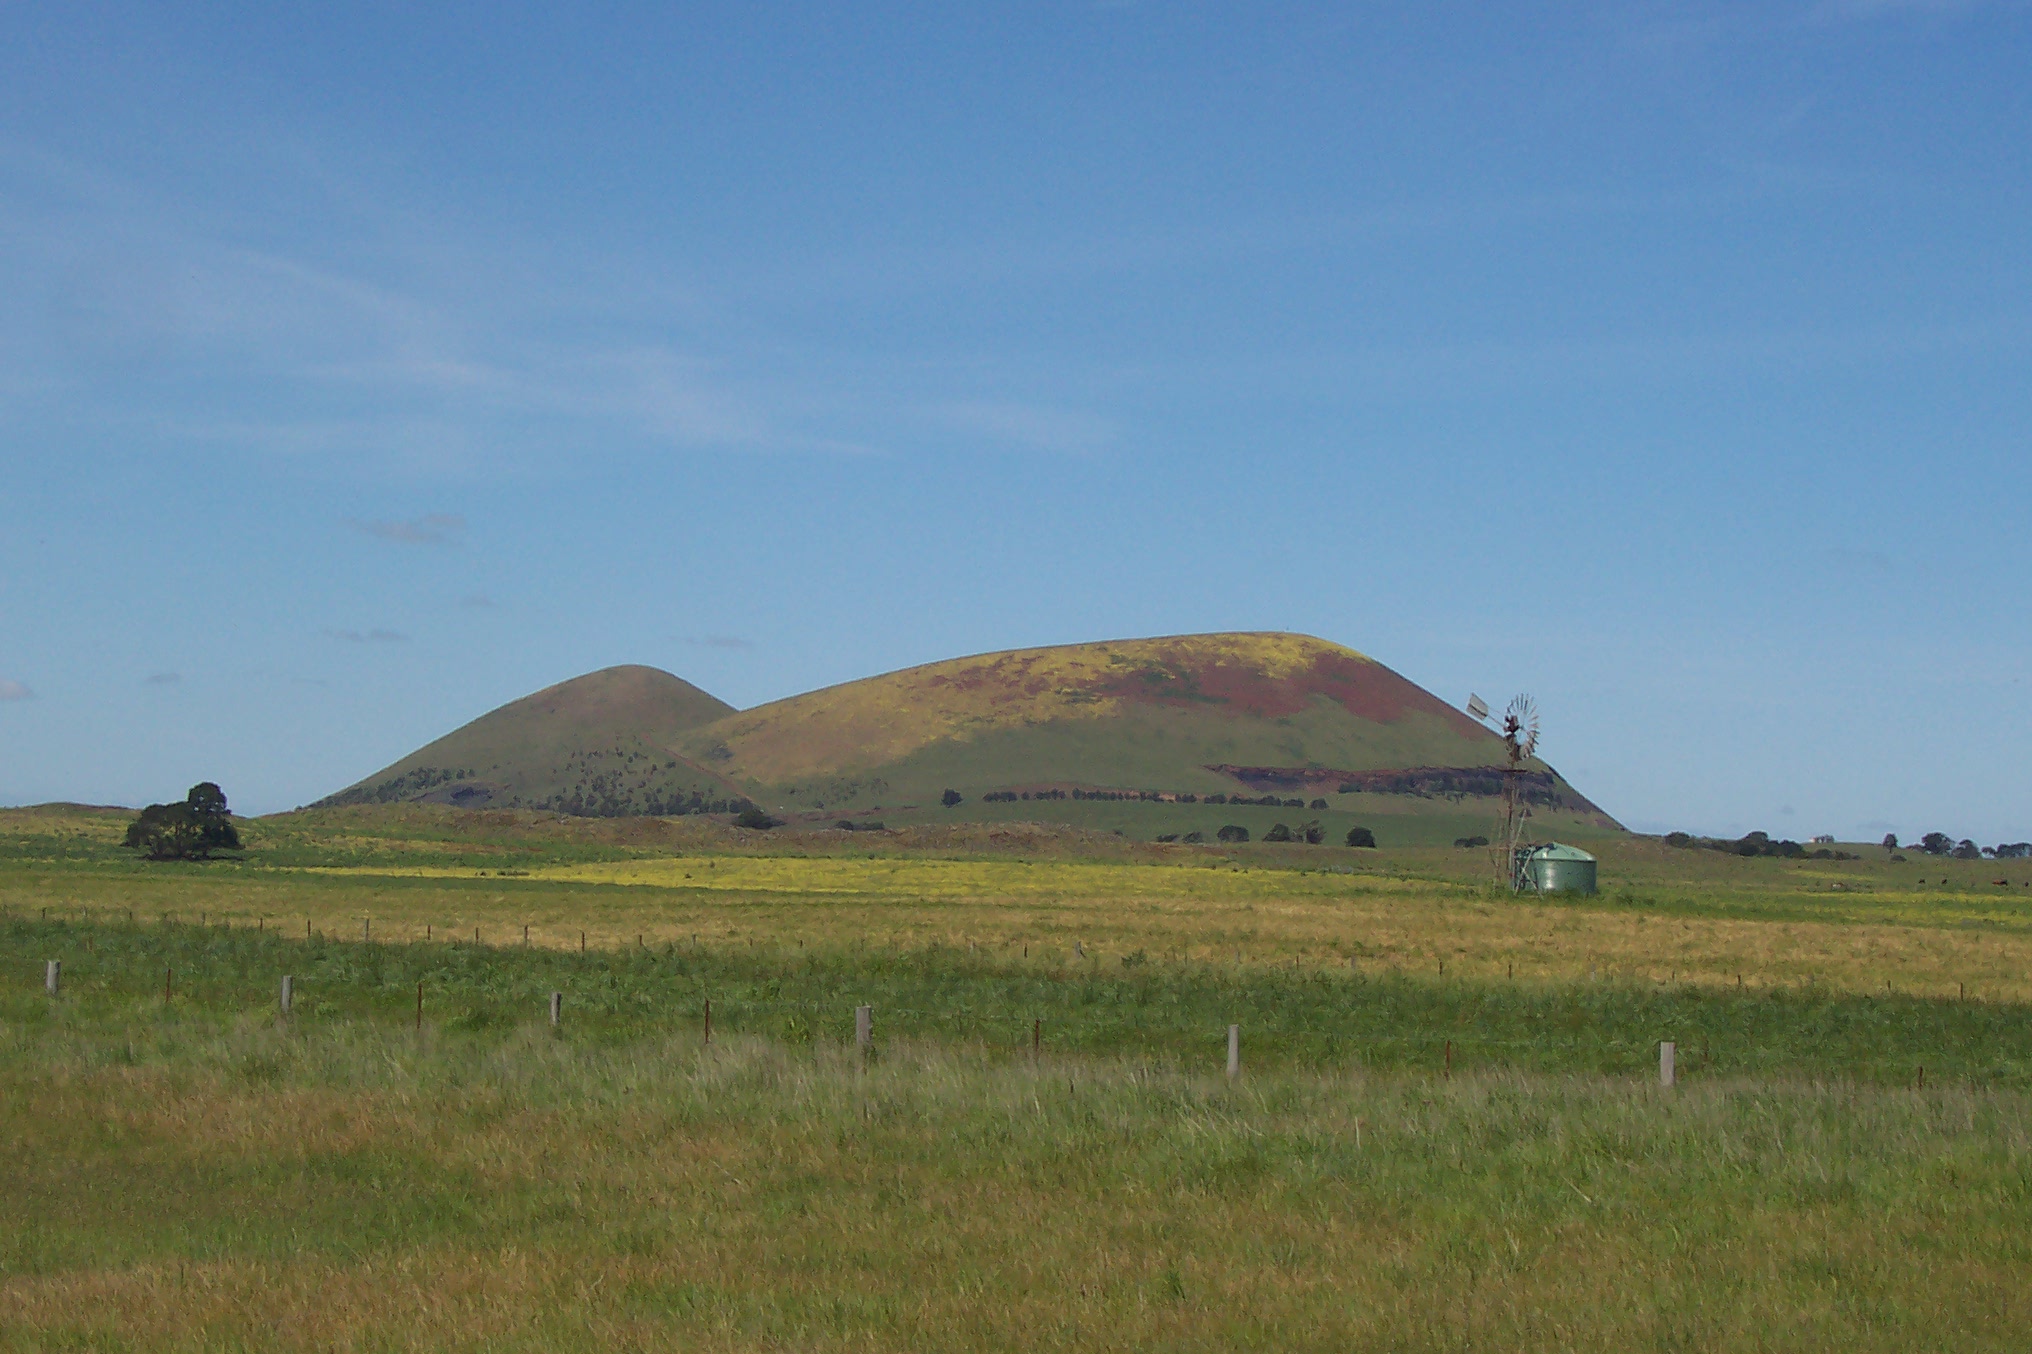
{"type": "Point", "coordinates": [1554, 868]}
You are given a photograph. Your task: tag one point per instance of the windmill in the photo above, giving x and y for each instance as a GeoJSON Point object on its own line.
{"type": "Point", "coordinates": [1519, 731]}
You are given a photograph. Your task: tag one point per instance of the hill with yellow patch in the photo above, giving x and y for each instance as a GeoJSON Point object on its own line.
{"type": "Point", "coordinates": [1187, 728]}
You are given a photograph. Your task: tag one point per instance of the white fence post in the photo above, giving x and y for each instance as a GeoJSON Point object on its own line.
{"type": "Point", "coordinates": [1666, 1051]}
{"type": "Point", "coordinates": [1234, 1051]}
{"type": "Point", "coordinates": [288, 993]}
{"type": "Point", "coordinates": [864, 1028]}
{"type": "Point", "coordinates": [52, 976]}
{"type": "Point", "coordinates": [556, 1009]}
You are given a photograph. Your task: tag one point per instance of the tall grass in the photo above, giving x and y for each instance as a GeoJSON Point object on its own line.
{"type": "Point", "coordinates": [1174, 1014]}
{"type": "Point", "coordinates": [230, 1185]}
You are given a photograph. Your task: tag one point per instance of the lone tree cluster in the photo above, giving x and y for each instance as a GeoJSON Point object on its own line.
{"type": "Point", "coordinates": [191, 830]}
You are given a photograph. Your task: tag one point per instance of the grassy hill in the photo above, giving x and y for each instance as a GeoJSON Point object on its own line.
{"type": "Point", "coordinates": [1127, 734]}
{"type": "Point", "coordinates": [601, 744]}
{"type": "Point", "coordinates": [1147, 737]}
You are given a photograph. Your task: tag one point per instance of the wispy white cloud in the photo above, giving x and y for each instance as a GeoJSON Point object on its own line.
{"type": "Point", "coordinates": [1040, 427]}
{"type": "Point", "coordinates": [437, 528]}
{"type": "Point", "coordinates": [14, 691]}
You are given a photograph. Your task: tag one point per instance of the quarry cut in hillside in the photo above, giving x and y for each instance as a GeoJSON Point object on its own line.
{"type": "Point", "coordinates": [1181, 720]}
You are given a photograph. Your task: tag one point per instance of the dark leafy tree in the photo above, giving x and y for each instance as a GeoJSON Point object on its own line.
{"type": "Point", "coordinates": [1233, 832]}
{"type": "Point", "coordinates": [1890, 841]}
{"type": "Point", "coordinates": [1484, 841]}
{"type": "Point", "coordinates": [1967, 850]}
{"type": "Point", "coordinates": [1361, 836]}
{"type": "Point", "coordinates": [950, 798]}
{"type": "Point", "coordinates": [1936, 844]}
{"type": "Point", "coordinates": [1317, 804]}
{"type": "Point", "coordinates": [1313, 833]}
{"type": "Point", "coordinates": [1277, 833]}
{"type": "Point", "coordinates": [191, 830]}
{"type": "Point", "coordinates": [1193, 838]}
{"type": "Point", "coordinates": [753, 816]}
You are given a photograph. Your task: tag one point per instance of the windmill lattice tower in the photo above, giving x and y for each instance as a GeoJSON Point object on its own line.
{"type": "Point", "coordinates": [1519, 732]}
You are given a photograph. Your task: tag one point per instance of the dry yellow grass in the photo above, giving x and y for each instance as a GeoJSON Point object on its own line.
{"type": "Point", "coordinates": [1912, 943]}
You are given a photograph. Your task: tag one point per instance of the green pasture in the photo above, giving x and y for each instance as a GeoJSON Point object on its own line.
{"type": "Point", "coordinates": [1448, 1133]}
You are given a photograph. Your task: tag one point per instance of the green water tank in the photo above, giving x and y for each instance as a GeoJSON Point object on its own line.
{"type": "Point", "coordinates": [1553, 868]}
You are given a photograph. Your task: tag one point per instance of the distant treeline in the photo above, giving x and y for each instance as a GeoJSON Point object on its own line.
{"type": "Point", "coordinates": [1940, 844]}
{"type": "Point", "coordinates": [1312, 834]}
{"type": "Point", "coordinates": [1932, 844]}
{"type": "Point", "coordinates": [1755, 844]}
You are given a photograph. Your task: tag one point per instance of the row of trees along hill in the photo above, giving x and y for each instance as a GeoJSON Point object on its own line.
{"type": "Point", "coordinates": [1932, 844]}
{"type": "Point", "coordinates": [192, 830]}
{"type": "Point", "coordinates": [1940, 844]}
{"type": "Point", "coordinates": [1311, 834]}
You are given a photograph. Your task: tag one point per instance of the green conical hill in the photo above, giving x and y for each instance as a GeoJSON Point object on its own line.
{"type": "Point", "coordinates": [605, 743]}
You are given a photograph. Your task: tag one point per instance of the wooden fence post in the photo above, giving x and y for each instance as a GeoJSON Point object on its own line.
{"type": "Point", "coordinates": [288, 993]}
{"type": "Point", "coordinates": [366, 930]}
{"type": "Point", "coordinates": [1036, 1039]}
{"type": "Point", "coordinates": [52, 976]}
{"type": "Point", "coordinates": [864, 1029]}
{"type": "Point", "coordinates": [1666, 1052]}
{"type": "Point", "coordinates": [556, 1009]}
{"type": "Point", "coordinates": [1234, 1051]}
{"type": "Point", "coordinates": [709, 1020]}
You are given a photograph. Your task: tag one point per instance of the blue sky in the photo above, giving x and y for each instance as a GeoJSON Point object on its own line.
{"type": "Point", "coordinates": [364, 367]}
